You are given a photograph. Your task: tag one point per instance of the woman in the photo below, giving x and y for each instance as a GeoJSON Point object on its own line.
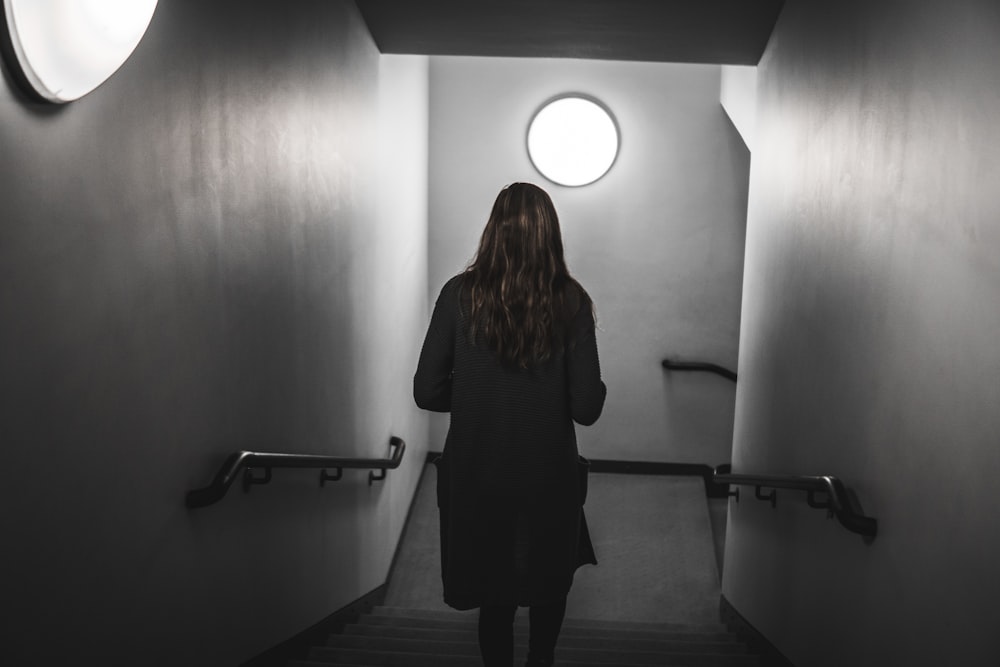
{"type": "Point", "coordinates": [511, 353]}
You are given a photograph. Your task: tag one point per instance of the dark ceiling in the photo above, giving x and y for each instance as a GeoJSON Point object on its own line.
{"type": "Point", "coordinates": [693, 31]}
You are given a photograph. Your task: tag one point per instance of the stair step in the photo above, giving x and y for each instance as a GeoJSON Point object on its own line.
{"type": "Point", "coordinates": [393, 626]}
{"type": "Point", "coordinates": [399, 637]}
{"type": "Point", "coordinates": [418, 653]}
{"type": "Point", "coordinates": [567, 630]}
{"type": "Point", "coordinates": [464, 662]}
{"type": "Point", "coordinates": [472, 617]}
{"type": "Point", "coordinates": [374, 636]}
{"type": "Point", "coordinates": [451, 661]}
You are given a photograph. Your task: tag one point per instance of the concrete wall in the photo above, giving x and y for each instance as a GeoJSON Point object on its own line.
{"type": "Point", "coordinates": [658, 241]}
{"type": "Point", "coordinates": [194, 259]}
{"type": "Point", "coordinates": [868, 350]}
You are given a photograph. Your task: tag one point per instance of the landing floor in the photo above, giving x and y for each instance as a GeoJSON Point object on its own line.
{"type": "Point", "coordinates": [654, 543]}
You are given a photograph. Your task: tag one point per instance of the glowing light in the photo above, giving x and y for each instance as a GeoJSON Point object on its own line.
{"type": "Point", "coordinates": [573, 141]}
{"type": "Point", "coordinates": [66, 48]}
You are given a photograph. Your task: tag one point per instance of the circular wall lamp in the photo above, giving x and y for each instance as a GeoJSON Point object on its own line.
{"type": "Point", "coordinates": [573, 140]}
{"type": "Point", "coordinates": [63, 49]}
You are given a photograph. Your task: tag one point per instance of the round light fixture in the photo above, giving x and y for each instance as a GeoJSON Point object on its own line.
{"type": "Point", "coordinates": [66, 48]}
{"type": "Point", "coordinates": [573, 140]}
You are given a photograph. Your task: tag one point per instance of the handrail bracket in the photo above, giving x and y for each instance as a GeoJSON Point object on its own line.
{"type": "Point", "coordinates": [325, 477]}
{"type": "Point", "coordinates": [773, 496]}
{"type": "Point", "coordinates": [249, 480]}
{"type": "Point", "coordinates": [819, 504]}
{"type": "Point", "coordinates": [395, 444]}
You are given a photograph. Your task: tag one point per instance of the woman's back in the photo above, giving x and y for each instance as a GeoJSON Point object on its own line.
{"type": "Point", "coordinates": [511, 353]}
{"type": "Point", "coordinates": [512, 428]}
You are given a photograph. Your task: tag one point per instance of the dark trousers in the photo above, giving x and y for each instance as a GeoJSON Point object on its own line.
{"type": "Point", "coordinates": [496, 633]}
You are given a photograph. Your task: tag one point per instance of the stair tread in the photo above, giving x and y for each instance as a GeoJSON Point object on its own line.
{"type": "Point", "coordinates": [465, 662]}
{"type": "Point", "coordinates": [457, 654]}
{"type": "Point", "coordinates": [389, 626]}
{"type": "Point", "coordinates": [356, 636]}
{"type": "Point", "coordinates": [461, 662]}
{"type": "Point", "coordinates": [399, 621]}
{"type": "Point", "coordinates": [426, 643]}
{"type": "Point", "coordinates": [472, 616]}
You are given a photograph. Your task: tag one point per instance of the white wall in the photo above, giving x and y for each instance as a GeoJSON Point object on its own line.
{"type": "Point", "coordinates": [868, 349]}
{"type": "Point", "coordinates": [738, 95]}
{"type": "Point", "coordinates": [658, 242]}
{"type": "Point", "coordinates": [203, 255]}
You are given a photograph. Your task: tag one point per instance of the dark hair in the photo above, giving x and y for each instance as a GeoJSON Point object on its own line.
{"type": "Point", "coordinates": [521, 293]}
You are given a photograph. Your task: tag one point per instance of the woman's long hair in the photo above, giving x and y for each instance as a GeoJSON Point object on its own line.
{"type": "Point", "coordinates": [518, 283]}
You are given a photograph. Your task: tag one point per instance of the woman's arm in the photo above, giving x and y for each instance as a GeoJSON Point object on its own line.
{"type": "Point", "coordinates": [432, 381]}
{"type": "Point", "coordinates": [586, 390]}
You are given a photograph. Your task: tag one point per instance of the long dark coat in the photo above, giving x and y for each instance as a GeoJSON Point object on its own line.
{"type": "Point", "coordinates": [509, 481]}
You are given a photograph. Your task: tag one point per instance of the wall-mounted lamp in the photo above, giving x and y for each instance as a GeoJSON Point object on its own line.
{"type": "Point", "coordinates": [573, 140]}
{"type": "Point", "coordinates": [66, 48]}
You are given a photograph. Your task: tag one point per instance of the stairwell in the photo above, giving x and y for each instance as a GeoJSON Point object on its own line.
{"type": "Point", "coordinates": [652, 600]}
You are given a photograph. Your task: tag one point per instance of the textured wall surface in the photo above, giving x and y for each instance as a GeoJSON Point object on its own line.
{"type": "Point", "coordinates": [868, 350]}
{"type": "Point", "coordinates": [658, 242]}
{"type": "Point", "coordinates": [193, 260]}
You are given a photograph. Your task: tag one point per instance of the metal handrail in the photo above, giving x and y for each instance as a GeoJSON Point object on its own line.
{"type": "Point", "coordinates": [247, 461]}
{"type": "Point", "coordinates": [839, 502]}
{"type": "Point", "coordinates": [674, 365]}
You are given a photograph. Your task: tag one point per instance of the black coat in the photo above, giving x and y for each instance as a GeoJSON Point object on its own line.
{"type": "Point", "coordinates": [509, 480]}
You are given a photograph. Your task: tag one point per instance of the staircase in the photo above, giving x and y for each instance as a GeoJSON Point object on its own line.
{"type": "Point", "coordinates": [431, 638]}
{"type": "Point", "coordinates": [653, 600]}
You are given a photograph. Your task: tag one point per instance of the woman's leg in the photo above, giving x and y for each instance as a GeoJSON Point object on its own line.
{"type": "Point", "coordinates": [546, 622]}
{"type": "Point", "coordinates": [496, 635]}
